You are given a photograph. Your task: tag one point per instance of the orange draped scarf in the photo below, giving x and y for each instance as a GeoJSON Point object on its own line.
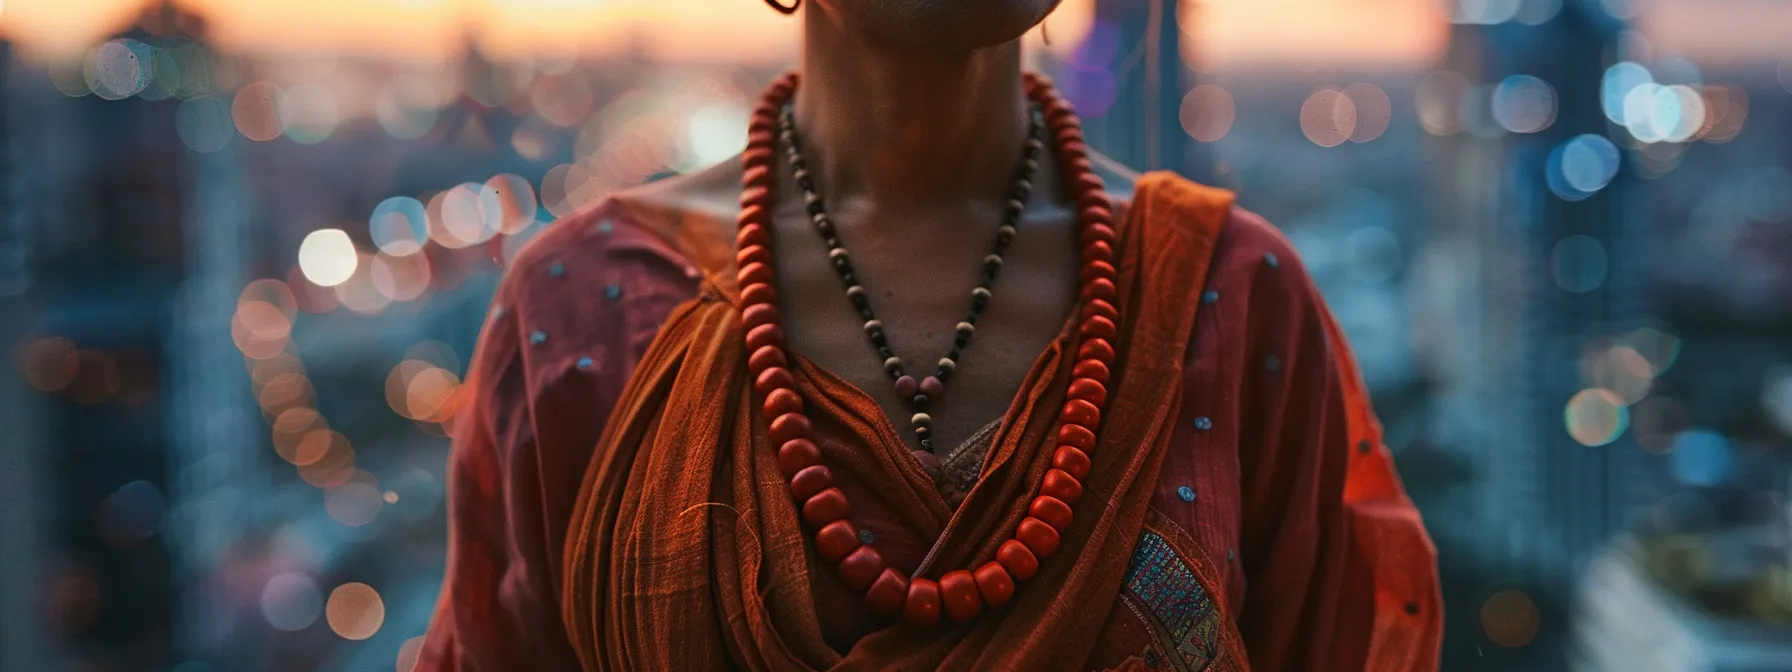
{"type": "Point", "coordinates": [686, 552]}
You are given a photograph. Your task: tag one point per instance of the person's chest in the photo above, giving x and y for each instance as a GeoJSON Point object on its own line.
{"type": "Point", "coordinates": [923, 299]}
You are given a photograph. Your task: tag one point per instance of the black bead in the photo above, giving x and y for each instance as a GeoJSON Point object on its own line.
{"type": "Point", "coordinates": [815, 208]}
{"type": "Point", "coordinates": [919, 402]}
{"type": "Point", "coordinates": [954, 352]}
{"type": "Point", "coordinates": [798, 163]}
{"type": "Point", "coordinates": [971, 318]}
{"type": "Point", "coordinates": [849, 278]}
{"type": "Point", "coordinates": [958, 343]}
{"type": "Point", "coordinates": [989, 274]}
{"type": "Point", "coordinates": [884, 352]}
{"type": "Point", "coordinates": [942, 374]}
{"type": "Point", "coordinates": [927, 444]}
{"type": "Point", "coordinates": [831, 242]}
{"type": "Point", "coordinates": [977, 304]}
{"type": "Point", "coordinates": [877, 339]}
{"type": "Point", "coordinates": [865, 313]}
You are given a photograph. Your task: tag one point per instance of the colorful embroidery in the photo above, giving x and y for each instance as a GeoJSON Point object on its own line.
{"type": "Point", "coordinates": [1164, 584]}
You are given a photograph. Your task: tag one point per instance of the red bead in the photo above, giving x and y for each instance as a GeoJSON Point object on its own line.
{"type": "Point", "coordinates": [1078, 166]}
{"type": "Point", "coordinates": [835, 540]}
{"type": "Point", "coordinates": [796, 455]}
{"type": "Point", "coordinates": [1098, 288]}
{"type": "Point", "coordinates": [766, 357]}
{"type": "Point", "coordinates": [906, 387]}
{"type": "Point", "coordinates": [888, 593]}
{"type": "Point", "coordinates": [1017, 559]}
{"type": "Point", "coordinates": [810, 480]}
{"type": "Point", "coordinates": [1087, 182]}
{"type": "Point", "coordinates": [1072, 460]}
{"type": "Point", "coordinates": [1100, 213]}
{"type": "Point", "coordinates": [825, 507]}
{"type": "Point", "coordinates": [757, 293]}
{"type": "Point", "coordinates": [1062, 485]}
{"type": "Point", "coordinates": [756, 156]}
{"type": "Point", "coordinates": [1051, 510]}
{"type": "Point", "coordinates": [1080, 412]}
{"type": "Point", "coordinates": [1076, 435]}
{"type": "Point", "coordinates": [1058, 108]}
{"type": "Point", "coordinates": [1091, 369]}
{"type": "Point", "coordinates": [1038, 536]}
{"type": "Point", "coordinates": [753, 233]}
{"type": "Point", "coordinates": [758, 314]}
{"type": "Point", "coordinates": [1098, 269]}
{"type": "Point", "coordinates": [923, 604]}
{"type": "Point", "coordinates": [755, 196]}
{"type": "Point", "coordinates": [1089, 390]}
{"type": "Point", "coordinates": [774, 378]}
{"type": "Point", "coordinates": [790, 427]}
{"type": "Point", "coordinates": [1091, 199]}
{"type": "Point", "coordinates": [752, 254]}
{"type": "Point", "coordinates": [1096, 326]}
{"type": "Point", "coordinates": [765, 335]}
{"type": "Point", "coordinates": [1098, 232]}
{"type": "Point", "coordinates": [781, 401]}
{"type": "Point", "coordinates": [861, 567]}
{"type": "Point", "coordinates": [1101, 308]}
{"type": "Point", "coordinates": [761, 122]}
{"type": "Point", "coordinates": [757, 176]}
{"type": "Point", "coordinates": [752, 273]}
{"type": "Point", "coordinates": [1097, 349]}
{"type": "Point", "coordinates": [1098, 250]}
{"type": "Point", "coordinates": [958, 593]}
{"type": "Point", "coordinates": [932, 387]}
{"type": "Point", "coordinates": [994, 583]}
{"type": "Point", "coordinates": [758, 139]}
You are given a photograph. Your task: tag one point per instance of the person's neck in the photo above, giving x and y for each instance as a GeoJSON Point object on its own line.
{"type": "Point", "coordinates": [893, 129]}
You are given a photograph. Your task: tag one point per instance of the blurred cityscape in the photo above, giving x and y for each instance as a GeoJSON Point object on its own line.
{"type": "Point", "coordinates": [241, 285]}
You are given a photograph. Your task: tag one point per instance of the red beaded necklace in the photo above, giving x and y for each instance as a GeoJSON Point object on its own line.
{"type": "Point", "coordinates": [960, 594]}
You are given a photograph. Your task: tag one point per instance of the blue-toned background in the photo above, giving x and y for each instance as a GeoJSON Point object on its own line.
{"type": "Point", "coordinates": [246, 249]}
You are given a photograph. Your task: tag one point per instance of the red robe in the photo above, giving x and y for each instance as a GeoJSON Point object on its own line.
{"type": "Point", "coordinates": [1278, 536]}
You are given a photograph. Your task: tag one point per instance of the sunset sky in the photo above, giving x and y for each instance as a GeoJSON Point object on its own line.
{"type": "Point", "coordinates": [1225, 32]}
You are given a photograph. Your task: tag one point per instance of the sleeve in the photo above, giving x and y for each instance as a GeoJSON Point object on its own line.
{"type": "Point", "coordinates": [1341, 573]}
{"type": "Point", "coordinates": [519, 448]}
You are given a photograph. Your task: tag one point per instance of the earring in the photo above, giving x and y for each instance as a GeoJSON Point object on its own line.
{"type": "Point", "coordinates": [785, 10]}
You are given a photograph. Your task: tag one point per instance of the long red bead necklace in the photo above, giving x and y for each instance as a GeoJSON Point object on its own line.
{"type": "Point", "coordinates": [959, 594]}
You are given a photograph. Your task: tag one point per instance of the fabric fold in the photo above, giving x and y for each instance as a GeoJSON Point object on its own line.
{"type": "Point", "coordinates": [685, 551]}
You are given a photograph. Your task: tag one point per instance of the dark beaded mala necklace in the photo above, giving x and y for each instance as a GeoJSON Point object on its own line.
{"type": "Point", "coordinates": [917, 393]}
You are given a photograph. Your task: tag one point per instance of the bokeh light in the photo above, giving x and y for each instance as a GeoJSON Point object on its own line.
{"type": "Point", "coordinates": [119, 69]}
{"type": "Point", "coordinates": [1582, 166]}
{"type": "Point", "coordinates": [408, 652]}
{"type": "Point", "coordinates": [1328, 117]}
{"type": "Point", "coordinates": [1439, 100]}
{"type": "Point", "coordinates": [47, 364]}
{"type": "Point", "coordinates": [131, 514]}
{"type": "Point", "coordinates": [1578, 264]}
{"type": "Point", "coordinates": [204, 123]}
{"type": "Point", "coordinates": [355, 611]}
{"type": "Point", "coordinates": [256, 111]}
{"type": "Point", "coordinates": [713, 132]}
{"type": "Point", "coordinates": [1524, 104]}
{"type": "Point", "coordinates": [1655, 423]}
{"type": "Point", "coordinates": [1702, 457]}
{"type": "Point", "coordinates": [507, 204]}
{"type": "Point", "coordinates": [1207, 112]}
{"type": "Point", "coordinates": [1596, 417]}
{"type": "Point", "coordinates": [1619, 369]}
{"type": "Point", "coordinates": [291, 601]}
{"type": "Point", "coordinates": [1510, 618]}
{"type": "Point", "coordinates": [400, 278]}
{"type": "Point", "coordinates": [308, 113]}
{"type": "Point", "coordinates": [1374, 111]}
{"type": "Point", "coordinates": [328, 257]}
{"type": "Point", "coordinates": [354, 503]}
{"type": "Point", "coordinates": [399, 226]}
{"type": "Point", "coordinates": [407, 106]}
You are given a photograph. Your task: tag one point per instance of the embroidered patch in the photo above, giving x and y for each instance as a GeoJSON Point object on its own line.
{"type": "Point", "coordinates": [1165, 585]}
